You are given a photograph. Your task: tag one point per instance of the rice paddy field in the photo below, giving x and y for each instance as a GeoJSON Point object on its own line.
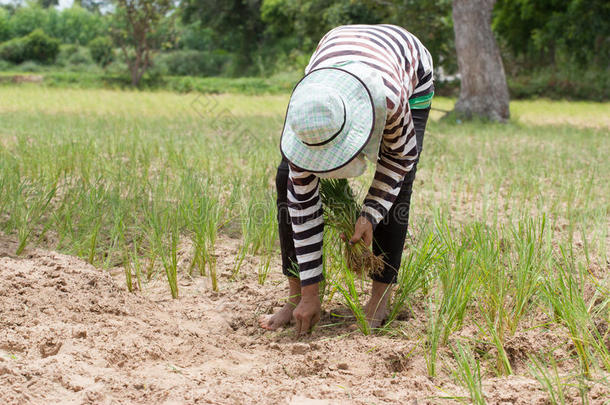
{"type": "Point", "coordinates": [139, 246]}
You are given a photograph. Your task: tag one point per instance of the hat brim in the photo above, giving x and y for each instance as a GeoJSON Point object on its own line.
{"type": "Point", "coordinates": [359, 124]}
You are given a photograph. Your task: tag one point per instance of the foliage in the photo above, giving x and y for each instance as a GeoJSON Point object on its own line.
{"type": "Point", "coordinates": [306, 22]}
{"type": "Point", "coordinates": [27, 19]}
{"type": "Point", "coordinates": [194, 63]}
{"type": "Point", "coordinates": [5, 29]}
{"type": "Point", "coordinates": [236, 23]}
{"type": "Point", "coordinates": [102, 50]}
{"type": "Point", "coordinates": [546, 32]}
{"type": "Point", "coordinates": [75, 25]}
{"type": "Point", "coordinates": [79, 56]}
{"type": "Point", "coordinates": [134, 27]}
{"type": "Point", "coordinates": [561, 83]}
{"type": "Point", "coordinates": [36, 46]}
{"type": "Point", "coordinates": [551, 49]}
{"type": "Point", "coordinates": [197, 37]}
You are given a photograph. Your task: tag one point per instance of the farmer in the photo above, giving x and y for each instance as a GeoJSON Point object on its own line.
{"type": "Point", "coordinates": [366, 94]}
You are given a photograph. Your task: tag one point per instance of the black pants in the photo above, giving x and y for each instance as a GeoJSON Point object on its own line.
{"type": "Point", "coordinates": [389, 235]}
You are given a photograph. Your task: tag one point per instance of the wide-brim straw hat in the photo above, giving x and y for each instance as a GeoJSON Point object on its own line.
{"type": "Point", "coordinates": [329, 120]}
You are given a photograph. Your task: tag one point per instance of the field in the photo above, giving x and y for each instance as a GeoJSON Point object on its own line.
{"type": "Point", "coordinates": [138, 247]}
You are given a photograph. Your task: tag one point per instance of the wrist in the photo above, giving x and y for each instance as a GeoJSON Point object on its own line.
{"type": "Point", "coordinates": [310, 291]}
{"type": "Point", "coordinates": [365, 215]}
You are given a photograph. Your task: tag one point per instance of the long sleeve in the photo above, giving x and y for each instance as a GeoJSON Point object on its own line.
{"type": "Point", "coordinates": [397, 154]}
{"type": "Point", "coordinates": [306, 215]}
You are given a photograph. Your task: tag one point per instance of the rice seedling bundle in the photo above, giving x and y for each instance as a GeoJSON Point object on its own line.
{"type": "Point", "coordinates": [341, 213]}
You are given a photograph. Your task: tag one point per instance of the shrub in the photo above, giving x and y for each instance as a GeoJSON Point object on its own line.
{"type": "Point", "coordinates": [80, 57]}
{"type": "Point", "coordinates": [65, 52]}
{"type": "Point", "coordinates": [13, 50]}
{"type": "Point", "coordinates": [5, 65]}
{"type": "Point", "coordinates": [568, 83]}
{"type": "Point", "coordinates": [35, 46]}
{"type": "Point", "coordinates": [102, 50]}
{"type": "Point", "coordinates": [73, 55]}
{"type": "Point", "coordinates": [194, 63]}
{"type": "Point", "coordinates": [40, 47]}
{"type": "Point", "coordinates": [30, 67]}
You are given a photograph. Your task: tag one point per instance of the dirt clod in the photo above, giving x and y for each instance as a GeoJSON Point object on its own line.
{"type": "Point", "coordinates": [50, 348]}
{"type": "Point", "coordinates": [300, 348]}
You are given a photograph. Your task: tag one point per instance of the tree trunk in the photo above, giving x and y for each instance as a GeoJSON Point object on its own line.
{"type": "Point", "coordinates": [483, 90]}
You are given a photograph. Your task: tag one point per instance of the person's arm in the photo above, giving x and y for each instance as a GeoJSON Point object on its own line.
{"type": "Point", "coordinates": [397, 155]}
{"type": "Point", "coordinates": [306, 215]}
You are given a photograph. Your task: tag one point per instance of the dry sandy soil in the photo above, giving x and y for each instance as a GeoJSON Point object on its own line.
{"type": "Point", "coordinates": [71, 333]}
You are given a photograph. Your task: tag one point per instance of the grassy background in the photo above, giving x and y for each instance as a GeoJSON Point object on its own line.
{"type": "Point", "coordinates": [509, 227]}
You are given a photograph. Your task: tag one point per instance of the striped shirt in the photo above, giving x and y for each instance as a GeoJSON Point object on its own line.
{"type": "Point", "coordinates": [406, 68]}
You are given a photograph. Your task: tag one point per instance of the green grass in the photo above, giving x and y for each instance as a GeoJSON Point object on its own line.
{"type": "Point", "coordinates": [509, 224]}
{"type": "Point", "coordinates": [52, 78]}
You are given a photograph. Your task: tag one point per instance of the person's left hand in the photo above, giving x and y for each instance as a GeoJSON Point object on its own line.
{"type": "Point", "coordinates": [363, 230]}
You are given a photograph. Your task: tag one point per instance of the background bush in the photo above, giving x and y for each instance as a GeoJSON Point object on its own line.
{"type": "Point", "coordinates": [36, 46]}
{"type": "Point", "coordinates": [102, 50]}
{"type": "Point", "coordinates": [553, 83]}
{"type": "Point", "coordinates": [71, 55]}
{"type": "Point", "coordinates": [13, 50]}
{"type": "Point", "coordinates": [194, 63]}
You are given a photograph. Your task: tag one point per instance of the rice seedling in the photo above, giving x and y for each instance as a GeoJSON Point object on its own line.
{"type": "Point", "coordinates": [341, 212]}
{"type": "Point", "coordinates": [494, 294]}
{"type": "Point", "coordinates": [264, 268]}
{"type": "Point", "coordinates": [550, 380]}
{"type": "Point", "coordinates": [29, 208]}
{"type": "Point", "coordinates": [434, 327]}
{"type": "Point", "coordinates": [563, 291]}
{"type": "Point", "coordinates": [164, 237]}
{"type": "Point", "coordinates": [468, 372]}
{"type": "Point", "coordinates": [415, 271]}
{"type": "Point", "coordinates": [532, 257]}
{"type": "Point", "coordinates": [351, 297]}
{"type": "Point", "coordinates": [456, 278]}
{"type": "Point", "coordinates": [201, 213]}
{"type": "Point", "coordinates": [170, 263]}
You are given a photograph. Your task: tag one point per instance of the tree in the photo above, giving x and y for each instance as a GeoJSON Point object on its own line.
{"type": "Point", "coordinates": [483, 90]}
{"type": "Point", "coordinates": [75, 25]}
{"type": "Point", "coordinates": [27, 19]}
{"type": "Point", "coordinates": [545, 31]}
{"type": "Point", "coordinates": [5, 29]}
{"type": "Point", "coordinates": [236, 23]}
{"type": "Point", "coordinates": [135, 31]}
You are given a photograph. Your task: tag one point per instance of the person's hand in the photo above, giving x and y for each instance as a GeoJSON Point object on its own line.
{"type": "Point", "coordinates": [363, 230]}
{"type": "Point", "coordinates": [307, 313]}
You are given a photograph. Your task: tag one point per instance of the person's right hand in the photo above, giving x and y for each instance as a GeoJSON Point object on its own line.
{"type": "Point", "coordinates": [307, 313]}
